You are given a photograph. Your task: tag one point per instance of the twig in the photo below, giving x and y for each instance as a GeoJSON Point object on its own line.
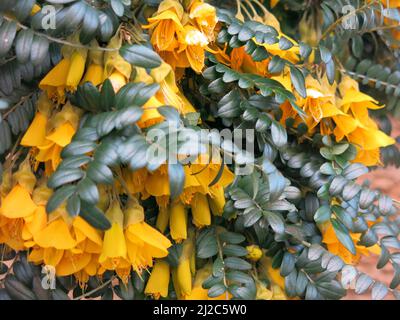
{"type": "Point", "coordinates": [95, 290]}
{"type": "Point", "coordinates": [60, 41]}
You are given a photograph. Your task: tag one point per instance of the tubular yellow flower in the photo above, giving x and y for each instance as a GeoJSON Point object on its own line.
{"type": "Point", "coordinates": [116, 69]}
{"type": "Point", "coordinates": [178, 221]}
{"type": "Point", "coordinates": [18, 203]}
{"type": "Point", "coordinates": [143, 242]}
{"type": "Point", "coordinates": [217, 200]}
{"type": "Point", "coordinates": [76, 70]}
{"type": "Point", "coordinates": [66, 75]}
{"type": "Point", "coordinates": [114, 251]}
{"type": "Point", "coordinates": [58, 132]}
{"type": "Point", "coordinates": [183, 271]}
{"type": "Point", "coordinates": [117, 80]}
{"type": "Point", "coordinates": [55, 235]}
{"type": "Point", "coordinates": [95, 71]}
{"type": "Point", "coordinates": [200, 210]}
{"type": "Point", "coordinates": [162, 219]}
{"type": "Point", "coordinates": [157, 285]}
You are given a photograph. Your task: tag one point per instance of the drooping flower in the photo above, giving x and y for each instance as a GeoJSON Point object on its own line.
{"type": "Point", "coordinates": [66, 75]}
{"type": "Point", "coordinates": [205, 17]}
{"type": "Point", "coordinates": [94, 72]}
{"type": "Point", "coordinates": [182, 275]}
{"type": "Point", "coordinates": [144, 243]}
{"type": "Point", "coordinates": [157, 285]}
{"type": "Point", "coordinates": [200, 210]}
{"type": "Point", "coordinates": [48, 135]}
{"type": "Point", "coordinates": [114, 255]}
{"type": "Point", "coordinates": [178, 221]}
{"type": "Point", "coordinates": [116, 68]}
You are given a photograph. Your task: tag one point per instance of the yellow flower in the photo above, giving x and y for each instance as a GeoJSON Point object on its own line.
{"type": "Point", "coordinates": [274, 3]}
{"type": "Point", "coordinates": [114, 252]}
{"type": "Point", "coordinates": [165, 25]}
{"type": "Point", "coordinates": [178, 222]}
{"type": "Point", "coordinates": [66, 75]}
{"type": "Point", "coordinates": [200, 210]}
{"type": "Point", "coordinates": [158, 283]}
{"type": "Point", "coordinates": [94, 72]}
{"type": "Point", "coordinates": [144, 243]}
{"type": "Point", "coordinates": [162, 219]}
{"type": "Point", "coordinates": [205, 17]}
{"type": "Point", "coordinates": [358, 127]}
{"type": "Point", "coordinates": [263, 293]}
{"type": "Point", "coordinates": [18, 202]}
{"type": "Point", "coordinates": [183, 276]}
{"type": "Point", "coordinates": [254, 252]}
{"type": "Point", "coordinates": [116, 69]}
{"type": "Point", "coordinates": [217, 200]}
{"type": "Point", "coordinates": [49, 136]}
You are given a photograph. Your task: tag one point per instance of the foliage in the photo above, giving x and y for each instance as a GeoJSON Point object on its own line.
{"type": "Point", "coordinates": [87, 109]}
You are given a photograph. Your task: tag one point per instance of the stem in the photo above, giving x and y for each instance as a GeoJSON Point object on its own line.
{"type": "Point", "coordinates": [60, 41]}
{"type": "Point", "coordinates": [338, 21]}
{"type": "Point", "coordinates": [15, 106]}
{"type": "Point", "coordinates": [95, 290]}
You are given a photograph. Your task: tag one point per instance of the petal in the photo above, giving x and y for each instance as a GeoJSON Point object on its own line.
{"type": "Point", "coordinates": [62, 135]}
{"type": "Point", "coordinates": [36, 133]}
{"type": "Point", "coordinates": [18, 203]}
{"type": "Point", "coordinates": [56, 235]}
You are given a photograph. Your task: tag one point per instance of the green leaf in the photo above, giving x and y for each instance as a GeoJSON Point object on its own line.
{"type": "Point", "coordinates": [323, 214]}
{"type": "Point", "coordinates": [207, 244]}
{"type": "Point", "coordinates": [326, 55]}
{"type": "Point", "coordinates": [88, 191]}
{"type": "Point", "coordinates": [94, 216]}
{"type": "Point", "coordinates": [237, 263]}
{"type": "Point", "coordinates": [298, 81]}
{"type": "Point", "coordinates": [78, 148]}
{"type": "Point", "coordinates": [343, 235]}
{"type": "Point", "coordinates": [74, 205]}
{"type": "Point", "coordinates": [61, 177]}
{"type": "Point", "coordinates": [379, 291]}
{"type": "Point", "coordinates": [107, 95]}
{"type": "Point", "coordinates": [231, 237]}
{"type": "Point", "coordinates": [176, 177]}
{"type": "Point", "coordinates": [275, 221]}
{"type": "Point", "coordinates": [59, 197]}
{"type": "Point", "coordinates": [100, 173]}
{"type": "Point", "coordinates": [354, 170]}
{"type": "Point", "coordinates": [216, 290]}
{"type": "Point", "coordinates": [363, 283]}
{"type": "Point", "coordinates": [279, 134]}
{"type": "Point", "coordinates": [234, 250]}
{"type": "Point", "coordinates": [140, 56]}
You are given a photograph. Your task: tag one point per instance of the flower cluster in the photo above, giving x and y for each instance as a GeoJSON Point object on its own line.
{"type": "Point", "coordinates": [343, 112]}
{"type": "Point", "coordinates": [182, 36]}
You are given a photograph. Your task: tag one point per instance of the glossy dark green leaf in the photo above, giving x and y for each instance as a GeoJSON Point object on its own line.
{"type": "Point", "coordinates": [140, 56]}
{"type": "Point", "coordinates": [94, 216]}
